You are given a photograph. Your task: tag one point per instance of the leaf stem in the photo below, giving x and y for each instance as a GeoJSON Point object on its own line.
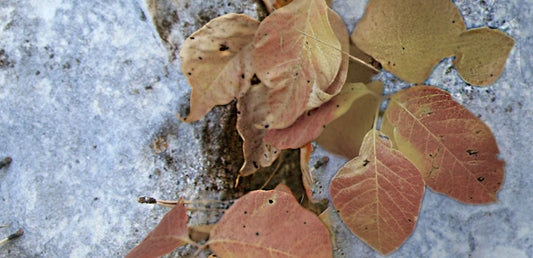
{"type": "Point", "coordinates": [340, 50]}
{"type": "Point", "coordinates": [280, 160]}
{"type": "Point", "coordinates": [16, 235]}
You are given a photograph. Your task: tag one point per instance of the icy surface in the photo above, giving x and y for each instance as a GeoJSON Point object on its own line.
{"type": "Point", "coordinates": [86, 86]}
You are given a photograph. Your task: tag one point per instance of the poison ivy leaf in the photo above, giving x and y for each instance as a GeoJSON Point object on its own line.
{"type": "Point", "coordinates": [378, 194]}
{"type": "Point", "coordinates": [170, 233]}
{"type": "Point", "coordinates": [217, 62]}
{"type": "Point", "coordinates": [344, 135]}
{"type": "Point", "coordinates": [481, 55]}
{"type": "Point", "coordinates": [269, 224]}
{"type": "Point", "coordinates": [252, 108]}
{"type": "Point", "coordinates": [292, 64]}
{"type": "Point", "coordinates": [455, 151]}
{"type": "Point", "coordinates": [358, 72]}
{"type": "Point", "coordinates": [310, 125]}
{"type": "Point", "coordinates": [409, 38]}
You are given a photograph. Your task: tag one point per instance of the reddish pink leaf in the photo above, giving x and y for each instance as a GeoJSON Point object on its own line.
{"type": "Point", "coordinates": [378, 194]}
{"type": "Point", "coordinates": [292, 64]}
{"type": "Point", "coordinates": [455, 151]}
{"type": "Point", "coordinates": [269, 224]}
{"type": "Point", "coordinates": [170, 233]}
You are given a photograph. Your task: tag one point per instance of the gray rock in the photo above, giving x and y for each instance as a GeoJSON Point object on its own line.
{"type": "Point", "coordinates": [86, 87]}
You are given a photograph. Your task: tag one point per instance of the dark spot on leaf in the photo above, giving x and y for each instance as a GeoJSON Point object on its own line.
{"type": "Point", "coordinates": [200, 58]}
{"type": "Point", "coordinates": [338, 106]}
{"type": "Point", "coordinates": [471, 152]}
{"type": "Point", "coordinates": [308, 113]}
{"type": "Point", "coordinates": [480, 179]}
{"type": "Point", "coordinates": [478, 131]}
{"type": "Point", "coordinates": [409, 220]}
{"type": "Point", "coordinates": [324, 126]}
{"type": "Point", "coordinates": [286, 211]}
{"type": "Point", "coordinates": [453, 21]}
{"type": "Point", "coordinates": [308, 81]}
{"type": "Point", "coordinates": [242, 75]}
{"type": "Point", "coordinates": [491, 75]}
{"type": "Point", "coordinates": [238, 112]}
{"type": "Point", "coordinates": [189, 73]}
{"type": "Point", "coordinates": [305, 222]}
{"type": "Point", "coordinates": [255, 80]}
{"type": "Point", "coordinates": [191, 37]}
{"type": "Point", "coordinates": [382, 136]}
{"type": "Point", "coordinates": [403, 48]}
{"type": "Point", "coordinates": [365, 162]}
{"type": "Point", "coordinates": [271, 201]}
{"type": "Point", "coordinates": [267, 126]}
{"type": "Point", "coordinates": [255, 165]}
{"type": "Point", "coordinates": [366, 228]}
{"type": "Point", "coordinates": [245, 212]}
{"type": "Point", "coordinates": [257, 233]}
{"type": "Point", "coordinates": [223, 47]}
{"type": "Point", "coordinates": [243, 226]}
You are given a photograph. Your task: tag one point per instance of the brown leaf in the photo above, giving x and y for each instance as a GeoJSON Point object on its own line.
{"type": "Point", "coordinates": [311, 124]}
{"type": "Point", "coordinates": [378, 194]}
{"type": "Point", "coordinates": [217, 62]}
{"type": "Point", "coordinates": [293, 64]}
{"type": "Point", "coordinates": [481, 55]}
{"type": "Point", "coordinates": [409, 38]}
{"type": "Point", "coordinates": [170, 233]}
{"type": "Point", "coordinates": [269, 224]}
{"type": "Point", "coordinates": [344, 135]}
{"type": "Point", "coordinates": [455, 151]}
{"type": "Point", "coordinates": [252, 108]}
{"type": "Point", "coordinates": [358, 72]}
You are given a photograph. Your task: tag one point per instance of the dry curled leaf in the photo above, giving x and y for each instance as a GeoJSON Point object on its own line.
{"type": "Point", "coordinates": [344, 135]}
{"type": "Point", "coordinates": [409, 38]}
{"type": "Point", "coordinates": [252, 107]}
{"type": "Point", "coordinates": [269, 224]}
{"type": "Point", "coordinates": [293, 64]}
{"type": "Point", "coordinates": [273, 5]}
{"type": "Point", "coordinates": [217, 61]}
{"type": "Point", "coordinates": [453, 149]}
{"type": "Point", "coordinates": [170, 233]}
{"type": "Point", "coordinates": [481, 55]}
{"type": "Point", "coordinates": [378, 194]}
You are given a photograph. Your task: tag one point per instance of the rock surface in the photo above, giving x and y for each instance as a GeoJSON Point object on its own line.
{"type": "Point", "coordinates": [86, 87]}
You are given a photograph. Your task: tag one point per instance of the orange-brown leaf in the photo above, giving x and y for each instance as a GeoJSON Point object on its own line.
{"type": "Point", "coordinates": [292, 64]}
{"type": "Point", "coordinates": [307, 177]}
{"type": "Point", "coordinates": [252, 108]}
{"type": "Point", "coordinates": [378, 194]}
{"type": "Point", "coordinates": [455, 151]}
{"type": "Point", "coordinates": [409, 38]}
{"type": "Point", "coordinates": [170, 233]}
{"type": "Point", "coordinates": [217, 61]}
{"type": "Point", "coordinates": [269, 224]}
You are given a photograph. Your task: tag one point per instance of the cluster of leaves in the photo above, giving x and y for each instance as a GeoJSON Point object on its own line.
{"type": "Point", "coordinates": [294, 83]}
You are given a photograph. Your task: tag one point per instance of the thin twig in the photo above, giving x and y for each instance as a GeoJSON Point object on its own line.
{"type": "Point", "coordinates": [280, 160]}
{"type": "Point", "coordinates": [16, 235]}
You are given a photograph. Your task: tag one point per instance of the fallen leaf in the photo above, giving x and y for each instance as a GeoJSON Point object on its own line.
{"type": "Point", "coordinates": [344, 135]}
{"type": "Point", "coordinates": [326, 219]}
{"type": "Point", "coordinates": [293, 64]}
{"type": "Point", "coordinates": [481, 55]}
{"type": "Point", "coordinates": [252, 108]}
{"type": "Point", "coordinates": [311, 124]}
{"type": "Point", "coordinates": [269, 224]}
{"type": "Point", "coordinates": [217, 62]}
{"type": "Point", "coordinates": [409, 38]}
{"type": "Point", "coordinates": [307, 177]}
{"type": "Point", "coordinates": [455, 151]}
{"type": "Point", "coordinates": [378, 194]}
{"type": "Point", "coordinates": [358, 72]}
{"type": "Point", "coordinates": [170, 233]}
